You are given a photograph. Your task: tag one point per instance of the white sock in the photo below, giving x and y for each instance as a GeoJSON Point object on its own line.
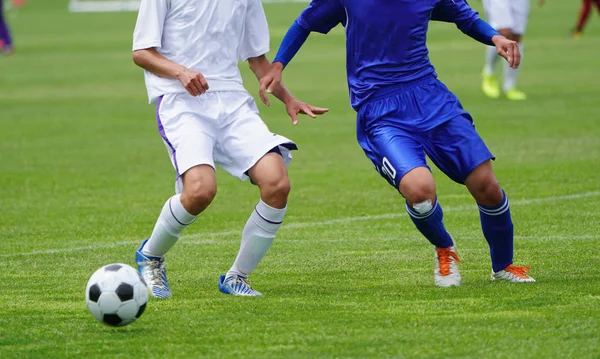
{"type": "Point", "coordinates": [510, 74]}
{"type": "Point", "coordinates": [491, 60]}
{"type": "Point", "coordinates": [257, 237]}
{"type": "Point", "coordinates": [172, 221]}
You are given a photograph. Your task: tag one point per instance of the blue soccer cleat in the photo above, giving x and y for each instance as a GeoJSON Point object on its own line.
{"type": "Point", "coordinates": [154, 273]}
{"type": "Point", "coordinates": [237, 285]}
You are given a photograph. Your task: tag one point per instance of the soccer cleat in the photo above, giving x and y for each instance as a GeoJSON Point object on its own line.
{"type": "Point", "coordinates": [446, 272]}
{"type": "Point", "coordinates": [237, 285]}
{"type": "Point", "coordinates": [513, 274]}
{"type": "Point", "coordinates": [490, 85]}
{"type": "Point", "coordinates": [515, 95]}
{"type": "Point", "coordinates": [154, 273]}
{"type": "Point", "coordinates": [575, 34]}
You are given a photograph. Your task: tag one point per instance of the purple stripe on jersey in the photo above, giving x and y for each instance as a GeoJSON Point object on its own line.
{"type": "Point", "coordinates": [161, 130]}
{"type": "Point", "coordinates": [266, 220]}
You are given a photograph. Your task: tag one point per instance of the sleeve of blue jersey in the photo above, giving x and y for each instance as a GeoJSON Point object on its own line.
{"type": "Point", "coordinates": [482, 32]}
{"type": "Point", "coordinates": [291, 43]}
{"type": "Point", "coordinates": [465, 18]}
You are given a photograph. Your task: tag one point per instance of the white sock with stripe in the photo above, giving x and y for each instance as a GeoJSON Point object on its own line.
{"type": "Point", "coordinates": [257, 238]}
{"type": "Point", "coordinates": [173, 219]}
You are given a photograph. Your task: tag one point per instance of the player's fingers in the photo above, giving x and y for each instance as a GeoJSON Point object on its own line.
{"type": "Point", "coordinates": [193, 89]}
{"type": "Point", "coordinates": [294, 117]}
{"type": "Point", "coordinates": [197, 81]}
{"type": "Point", "coordinates": [517, 55]}
{"type": "Point", "coordinates": [202, 81]}
{"type": "Point", "coordinates": [263, 97]}
{"type": "Point", "coordinates": [503, 51]}
{"type": "Point", "coordinates": [307, 111]}
{"type": "Point", "coordinates": [318, 110]}
{"type": "Point", "coordinates": [273, 84]}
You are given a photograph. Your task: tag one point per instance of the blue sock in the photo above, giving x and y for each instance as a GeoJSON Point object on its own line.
{"type": "Point", "coordinates": [497, 228]}
{"type": "Point", "coordinates": [431, 225]}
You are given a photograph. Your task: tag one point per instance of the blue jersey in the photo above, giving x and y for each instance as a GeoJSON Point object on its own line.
{"type": "Point", "coordinates": [385, 39]}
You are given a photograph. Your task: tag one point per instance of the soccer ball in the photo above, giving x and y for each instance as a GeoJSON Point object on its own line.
{"type": "Point", "coordinates": [116, 294]}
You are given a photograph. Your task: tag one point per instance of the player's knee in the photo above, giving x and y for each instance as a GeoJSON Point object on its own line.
{"type": "Point", "coordinates": [419, 193]}
{"type": "Point", "coordinates": [278, 187]}
{"type": "Point", "coordinates": [199, 196]}
{"type": "Point", "coordinates": [418, 186]}
{"type": "Point", "coordinates": [487, 191]}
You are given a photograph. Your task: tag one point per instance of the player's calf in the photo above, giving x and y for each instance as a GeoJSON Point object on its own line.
{"type": "Point", "coordinates": [270, 175]}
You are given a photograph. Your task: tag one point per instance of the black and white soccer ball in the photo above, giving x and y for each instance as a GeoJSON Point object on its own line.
{"type": "Point", "coordinates": [116, 294]}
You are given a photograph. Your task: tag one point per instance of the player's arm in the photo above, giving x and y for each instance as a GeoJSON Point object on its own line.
{"type": "Point", "coordinates": [320, 16]}
{"type": "Point", "coordinates": [151, 60]}
{"type": "Point", "coordinates": [260, 65]}
{"type": "Point", "coordinates": [147, 38]}
{"type": "Point", "coordinates": [469, 22]}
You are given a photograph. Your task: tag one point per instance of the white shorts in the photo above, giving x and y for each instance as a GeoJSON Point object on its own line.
{"type": "Point", "coordinates": [216, 127]}
{"type": "Point", "coordinates": [507, 14]}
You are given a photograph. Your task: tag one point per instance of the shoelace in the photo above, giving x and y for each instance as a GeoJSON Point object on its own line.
{"type": "Point", "coordinates": [243, 282]}
{"type": "Point", "coordinates": [445, 258]}
{"type": "Point", "coordinates": [518, 271]}
{"type": "Point", "coordinates": [155, 269]}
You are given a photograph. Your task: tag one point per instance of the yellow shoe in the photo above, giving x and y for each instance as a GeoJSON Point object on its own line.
{"type": "Point", "coordinates": [490, 85]}
{"type": "Point", "coordinates": [515, 95]}
{"type": "Point", "coordinates": [576, 34]}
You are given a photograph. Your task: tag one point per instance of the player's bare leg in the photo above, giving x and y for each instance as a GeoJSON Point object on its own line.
{"type": "Point", "coordinates": [270, 175]}
{"type": "Point", "coordinates": [181, 210]}
{"type": "Point", "coordinates": [496, 223]}
{"type": "Point", "coordinates": [418, 188]}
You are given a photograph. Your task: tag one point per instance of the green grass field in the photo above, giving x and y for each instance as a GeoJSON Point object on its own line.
{"type": "Point", "coordinates": [83, 175]}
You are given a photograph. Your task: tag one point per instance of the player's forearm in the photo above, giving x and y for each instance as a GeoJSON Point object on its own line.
{"type": "Point", "coordinates": [151, 60]}
{"type": "Point", "coordinates": [482, 32]}
{"type": "Point", "coordinates": [261, 66]}
{"type": "Point", "coordinates": [291, 44]}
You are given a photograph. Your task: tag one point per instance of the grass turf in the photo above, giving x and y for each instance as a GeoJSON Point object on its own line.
{"type": "Point", "coordinates": [84, 175]}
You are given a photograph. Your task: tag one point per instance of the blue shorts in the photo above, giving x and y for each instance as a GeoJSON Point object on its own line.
{"type": "Point", "coordinates": [399, 125]}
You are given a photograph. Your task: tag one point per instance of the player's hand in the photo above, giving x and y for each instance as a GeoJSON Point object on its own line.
{"type": "Point", "coordinates": [192, 81]}
{"type": "Point", "coordinates": [270, 81]}
{"type": "Point", "coordinates": [294, 107]}
{"type": "Point", "coordinates": [508, 49]}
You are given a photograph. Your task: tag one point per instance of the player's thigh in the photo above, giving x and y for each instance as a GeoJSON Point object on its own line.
{"type": "Point", "coordinates": [498, 13]}
{"type": "Point", "coordinates": [188, 127]}
{"type": "Point", "coordinates": [244, 138]}
{"type": "Point", "coordinates": [520, 14]}
{"type": "Point", "coordinates": [456, 148]}
{"type": "Point", "coordinates": [394, 152]}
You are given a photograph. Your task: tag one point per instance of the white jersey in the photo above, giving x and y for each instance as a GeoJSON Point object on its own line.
{"type": "Point", "coordinates": [208, 36]}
